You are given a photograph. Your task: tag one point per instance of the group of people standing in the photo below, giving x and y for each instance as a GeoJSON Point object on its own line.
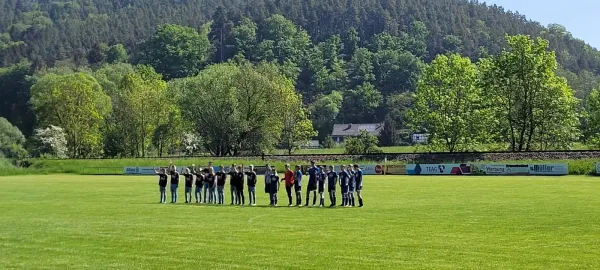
{"type": "Point", "coordinates": [210, 185]}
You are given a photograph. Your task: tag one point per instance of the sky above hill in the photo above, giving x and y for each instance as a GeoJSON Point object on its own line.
{"type": "Point", "coordinates": [579, 16]}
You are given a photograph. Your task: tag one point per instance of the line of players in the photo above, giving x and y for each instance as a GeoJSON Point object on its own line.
{"type": "Point", "coordinates": [209, 186]}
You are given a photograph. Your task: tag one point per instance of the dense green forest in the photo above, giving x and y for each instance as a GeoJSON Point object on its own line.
{"type": "Point", "coordinates": [332, 61]}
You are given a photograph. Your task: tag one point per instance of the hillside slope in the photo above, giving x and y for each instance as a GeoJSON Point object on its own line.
{"type": "Point", "coordinates": [53, 30]}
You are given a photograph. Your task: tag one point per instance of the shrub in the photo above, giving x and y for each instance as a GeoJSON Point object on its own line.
{"type": "Point", "coordinates": [11, 141]}
{"type": "Point", "coordinates": [364, 143]}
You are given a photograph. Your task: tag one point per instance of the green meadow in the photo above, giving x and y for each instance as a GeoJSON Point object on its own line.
{"type": "Point", "coordinates": [116, 222]}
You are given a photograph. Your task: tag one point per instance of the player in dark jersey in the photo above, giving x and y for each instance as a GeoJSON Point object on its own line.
{"type": "Point", "coordinates": [351, 185]}
{"type": "Point", "coordinates": [206, 171]}
{"type": "Point", "coordinates": [273, 186]}
{"type": "Point", "coordinates": [298, 185]}
{"type": "Point", "coordinates": [268, 172]}
{"type": "Point", "coordinates": [321, 185]}
{"type": "Point", "coordinates": [331, 182]}
{"type": "Point", "coordinates": [359, 184]}
{"type": "Point", "coordinates": [313, 173]}
{"type": "Point", "coordinates": [251, 176]}
{"type": "Point", "coordinates": [174, 183]}
{"type": "Point", "coordinates": [212, 184]}
{"type": "Point", "coordinates": [199, 183]}
{"type": "Point", "coordinates": [162, 184]}
{"type": "Point", "coordinates": [233, 184]}
{"type": "Point", "coordinates": [344, 179]}
{"type": "Point", "coordinates": [189, 183]}
{"type": "Point", "coordinates": [221, 179]}
{"type": "Point", "coordinates": [239, 185]}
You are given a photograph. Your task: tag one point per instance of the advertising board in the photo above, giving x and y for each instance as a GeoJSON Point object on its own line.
{"type": "Point", "coordinates": [146, 170]}
{"type": "Point", "coordinates": [549, 169]}
{"type": "Point", "coordinates": [598, 168]}
{"type": "Point", "coordinates": [438, 169]}
{"type": "Point", "coordinates": [500, 169]}
{"type": "Point", "coordinates": [372, 169]}
{"type": "Point", "coordinates": [395, 169]}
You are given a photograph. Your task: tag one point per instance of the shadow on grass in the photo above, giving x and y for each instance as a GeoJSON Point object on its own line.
{"type": "Point", "coordinates": [244, 206]}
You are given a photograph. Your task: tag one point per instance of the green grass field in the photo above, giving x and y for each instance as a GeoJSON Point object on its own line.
{"type": "Point", "coordinates": [100, 222]}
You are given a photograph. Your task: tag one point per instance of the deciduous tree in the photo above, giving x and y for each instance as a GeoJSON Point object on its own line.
{"type": "Point", "coordinates": [76, 103]}
{"type": "Point", "coordinates": [448, 104]}
{"type": "Point", "coordinates": [534, 107]}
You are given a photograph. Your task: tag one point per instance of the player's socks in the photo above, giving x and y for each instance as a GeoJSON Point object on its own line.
{"type": "Point", "coordinates": [314, 199]}
{"type": "Point", "coordinates": [322, 201]}
{"type": "Point", "coordinates": [360, 202]}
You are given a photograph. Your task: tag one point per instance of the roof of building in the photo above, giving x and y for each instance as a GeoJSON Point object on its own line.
{"type": "Point", "coordinates": [340, 130]}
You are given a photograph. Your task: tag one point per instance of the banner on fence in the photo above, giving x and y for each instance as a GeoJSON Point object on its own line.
{"type": "Point", "coordinates": [549, 169]}
{"type": "Point", "coordinates": [395, 169]}
{"type": "Point", "coordinates": [438, 169]}
{"type": "Point", "coordinates": [500, 169]}
{"type": "Point", "coordinates": [141, 170]}
{"type": "Point", "coordinates": [372, 169]}
{"type": "Point", "coordinates": [598, 168]}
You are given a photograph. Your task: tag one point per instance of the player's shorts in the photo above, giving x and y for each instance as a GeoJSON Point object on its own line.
{"type": "Point", "coordinates": [331, 188]}
{"type": "Point", "coordinates": [312, 186]}
{"type": "Point", "coordinates": [162, 189]}
{"type": "Point", "coordinates": [252, 188]}
{"type": "Point", "coordinates": [351, 188]}
{"type": "Point", "coordinates": [297, 188]}
{"type": "Point", "coordinates": [188, 189]}
{"type": "Point", "coordinates": [321, 188]}
{"type": "Point", "coordinates": [344, 189]}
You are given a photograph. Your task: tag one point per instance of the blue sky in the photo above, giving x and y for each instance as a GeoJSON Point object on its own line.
{"type": "Point", "coordinates": [580, 17]}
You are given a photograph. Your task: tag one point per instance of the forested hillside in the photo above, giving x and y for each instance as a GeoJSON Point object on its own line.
{"type": "Point", "coordinates": [348, 61]}
{"type": "Point", "coordinates": [54, 30]}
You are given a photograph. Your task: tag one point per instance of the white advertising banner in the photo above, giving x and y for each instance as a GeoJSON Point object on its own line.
{"type": "Point", "coordinates": [501, 169]}
{"type": "Point", "coordinates": [138, 170]}
{"type": "Point", "coordinates": [549, 169]}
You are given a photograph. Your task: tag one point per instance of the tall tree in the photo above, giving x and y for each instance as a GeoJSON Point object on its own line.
{"type": "Point", "coordinates": [237, 108]}
{"type": "Point", "coordinates": [324, 111]}
{"type": "Point", "coordinates": [245, 38]}
{"type": "Point", "coordinates": [146, 105]}
{"type": "Point", "coordinates": [76, 103]}
{"type": "Point", "coordinates": [176, 51]}
{"type": "Point", "coordinates": [297, 129]}
{"type": "Point", "coordinates": [448, 105]}
{"type": "Point", "coordinates": [397, 71]}
{"type": "Point", "coordinates": [536, 109]}
{"type": "Point", "coordinates": [15, 95]}
{"type": "Point", "coordinates": [117, 54]}
{"type": "Point", "coordinates": [360, 104]}
{"type": "Point", "coordinates": [593, 119]}
{"type": "Point", "coordinates": [220, 30]}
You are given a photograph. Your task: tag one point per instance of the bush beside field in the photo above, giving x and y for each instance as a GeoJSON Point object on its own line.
{"type": "Point", "coordinates": [115, 166]}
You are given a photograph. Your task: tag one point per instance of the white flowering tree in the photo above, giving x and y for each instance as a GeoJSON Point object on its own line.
{"type": "Point", "coordinates": [51, 141]}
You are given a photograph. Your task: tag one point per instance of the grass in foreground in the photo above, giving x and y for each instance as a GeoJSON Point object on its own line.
{"type": "Point", "coordinates": [64, 221]}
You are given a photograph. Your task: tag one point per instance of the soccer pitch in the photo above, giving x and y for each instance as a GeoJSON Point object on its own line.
{"type": "Point", "coordinates": [100, 222]}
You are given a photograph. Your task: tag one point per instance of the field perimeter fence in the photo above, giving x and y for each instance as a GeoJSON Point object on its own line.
{"type": "Point", "coordinates": [557, 162]}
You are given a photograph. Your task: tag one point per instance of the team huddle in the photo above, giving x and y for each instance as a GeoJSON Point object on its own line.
{"type": "Point", "coordinates": [210, 185]}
